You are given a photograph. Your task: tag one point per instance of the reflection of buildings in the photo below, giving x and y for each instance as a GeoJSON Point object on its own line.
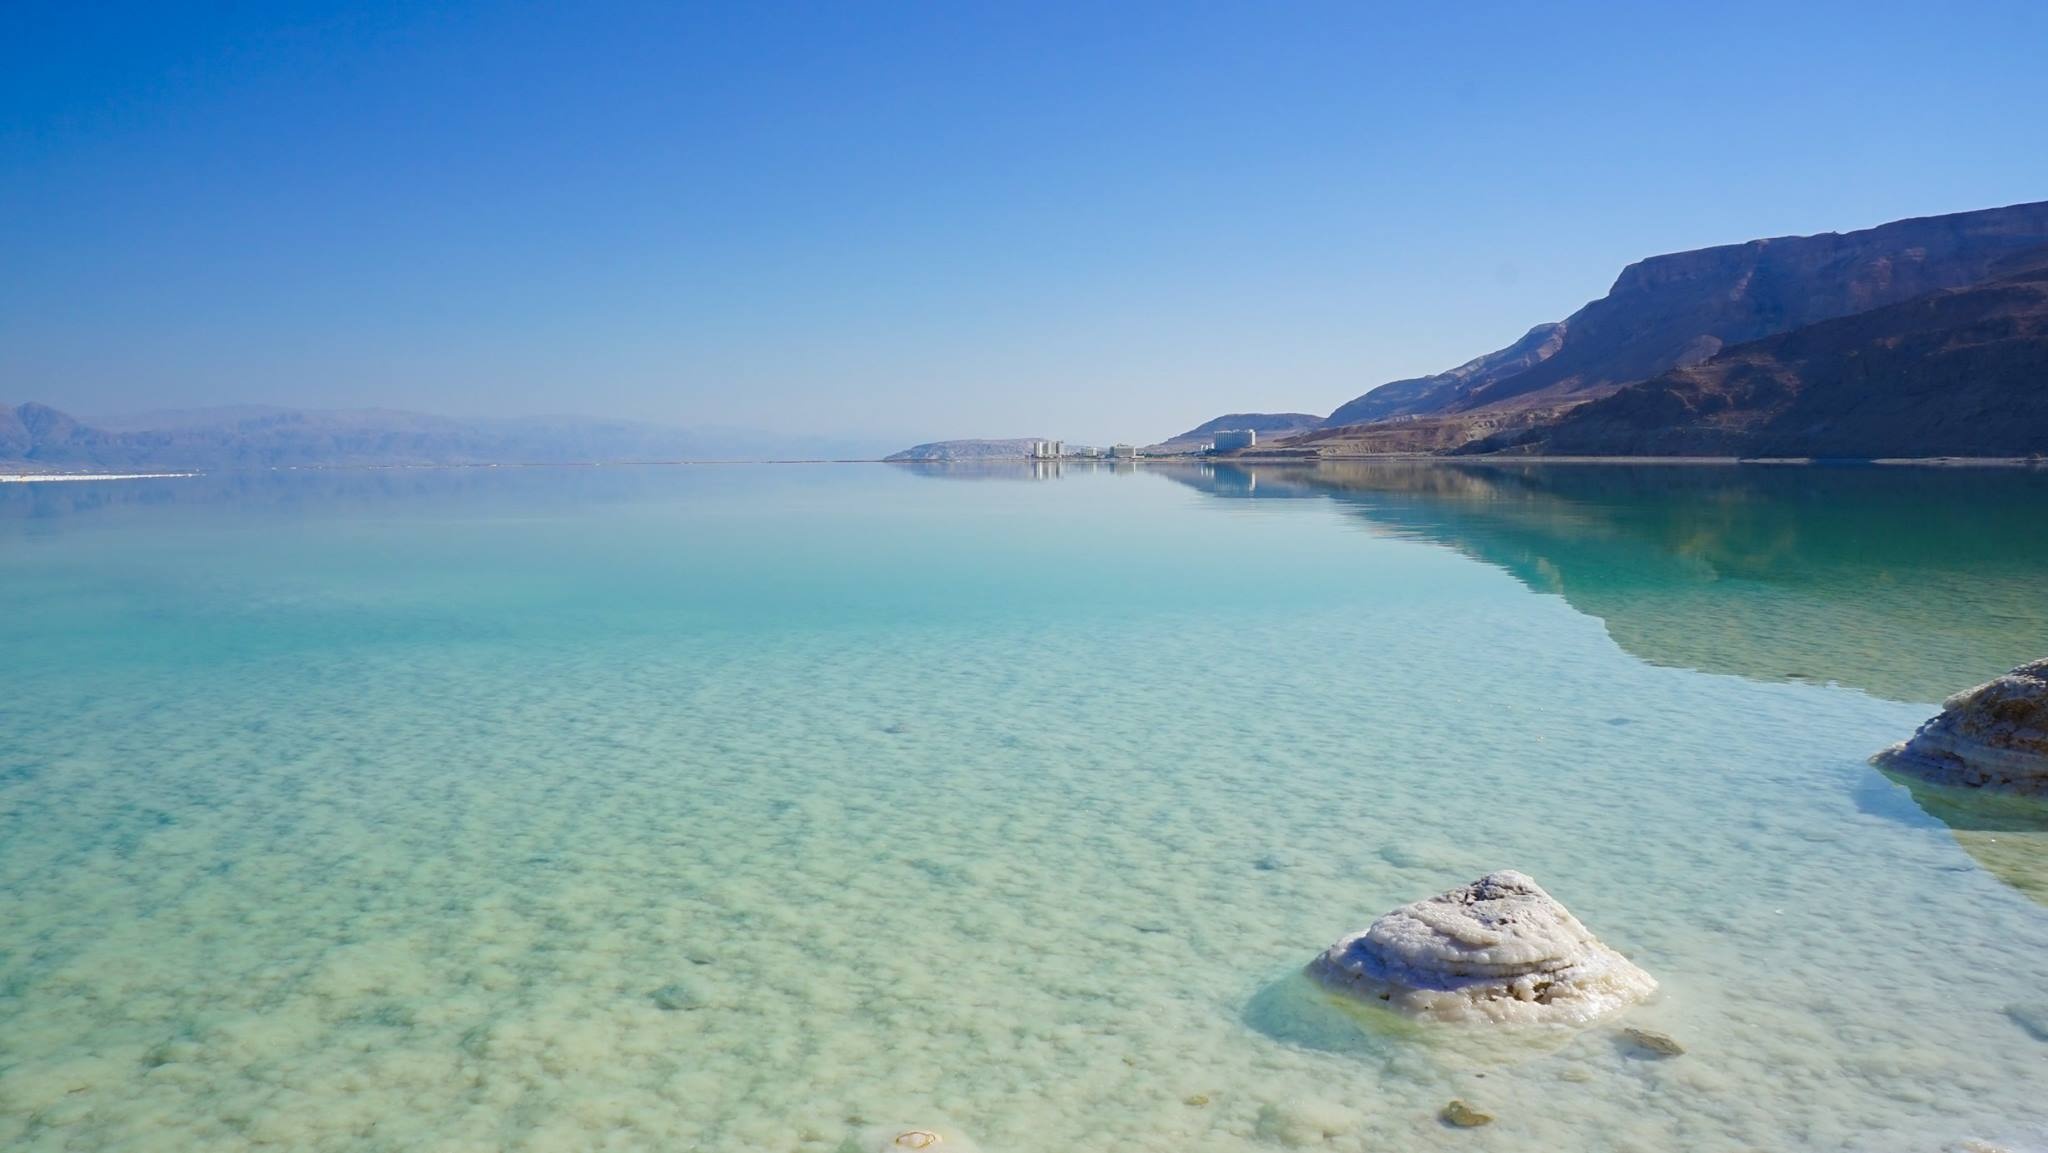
{"type": "Point", "coordinates": [1017, 468]}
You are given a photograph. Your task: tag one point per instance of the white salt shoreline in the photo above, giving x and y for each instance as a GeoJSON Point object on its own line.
{"type": "Point", "coordinates": [34, 477]}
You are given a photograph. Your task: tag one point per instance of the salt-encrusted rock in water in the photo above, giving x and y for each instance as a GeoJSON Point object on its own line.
{"type": "Point", "coordinates": [906, 1139]}
{"type": "Point", "coordinates": [1994, 736]}
{"type": "Point", "coordinates": [1499, 949]}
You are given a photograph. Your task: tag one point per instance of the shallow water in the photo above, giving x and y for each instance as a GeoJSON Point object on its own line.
{"type": "Point", "coordinates": [722, 808]}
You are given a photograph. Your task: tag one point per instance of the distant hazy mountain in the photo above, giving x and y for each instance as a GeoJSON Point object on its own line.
{"type": "Point", "coordinates": [36, 437]}
{"type": "Point", "coordinates": [1015, 448]}
{"type": "Point", "coordinates": [1266, 424]}
{"type": "Point", "coordinates": [1431, 393]}
{"type": "Point", "coordinates": [168, 419]}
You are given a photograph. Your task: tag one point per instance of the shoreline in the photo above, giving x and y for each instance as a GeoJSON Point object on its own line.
{"type": "Point", "coordinates": [51, 477]}
{"type": "Point", "coordinates": [1726, 461]}
{"type": "Point", "coordinates": [1272, 459]}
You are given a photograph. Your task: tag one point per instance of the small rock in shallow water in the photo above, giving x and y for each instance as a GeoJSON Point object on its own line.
{"type": "Point", "coordinates": [1198, 1100]}
{"type": "Point", "coordinates": [1994, 736]}
{"type": "Point", "coordinates": [674, 998]}
{"type": "Point", "coordinates": [1304, 1122]}
{"type": "Point", "coordinates": [1417, 857]}
{"type": "Point", "coordinates": [2033, 1019]}
{"type": "Point", "coordinates": [907, 1139]}
{"type": "Point", "coordinates": [1657, 1044]}
{"type": "Point", "coordinates": [1464, 1116]}
{"type": "Point", "coordinates": [1499, 949]}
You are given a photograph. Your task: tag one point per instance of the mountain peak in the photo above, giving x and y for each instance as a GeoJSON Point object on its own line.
{"type": "Point", "coordinates": [1680, 309]}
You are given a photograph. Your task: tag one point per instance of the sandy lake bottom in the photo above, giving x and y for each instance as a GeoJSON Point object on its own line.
{"type": "Point", "coordinates": [729, 809]}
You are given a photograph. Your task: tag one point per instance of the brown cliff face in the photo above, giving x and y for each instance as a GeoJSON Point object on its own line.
{"type": "Point", "coordinates": [1672, 311]}
{"type": "Point", "coordinates": [1960, 372]}
{"type": "Point", "coordinates": [1682, 309]}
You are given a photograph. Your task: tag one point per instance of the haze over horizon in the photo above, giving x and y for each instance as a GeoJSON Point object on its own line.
{"type": "Point", "coordinates": [920, 222]}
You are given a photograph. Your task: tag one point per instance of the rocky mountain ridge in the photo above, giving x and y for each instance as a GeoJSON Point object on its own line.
{"type": "Point", "coordinates": [1958, 372]}
{"type": "Point", "coordinates": [1683, 308]}
{"type": "Point", "coordinates": [1431, 393]}
{"type": "Point", "coordinates": [1680, 311]}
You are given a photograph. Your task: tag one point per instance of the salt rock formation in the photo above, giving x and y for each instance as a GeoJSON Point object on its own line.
{"type": "Point", "coordinates": [1499, 949]}
{"type": "Point", "coordinates": [1994, 736]}
{"type": "Point", "coordinates": [902, 1138]}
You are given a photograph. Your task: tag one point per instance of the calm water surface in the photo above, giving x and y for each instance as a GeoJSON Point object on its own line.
{"type": "Point", "coordinates": [749, 808]}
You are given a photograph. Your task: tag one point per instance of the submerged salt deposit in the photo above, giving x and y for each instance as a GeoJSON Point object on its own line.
{"type": "Point", "coordinates": [910, 1138]}
{"type": "Point", "coordinates": [562, 813]}
{"type": "Point", "coordinates": [1499, 949]}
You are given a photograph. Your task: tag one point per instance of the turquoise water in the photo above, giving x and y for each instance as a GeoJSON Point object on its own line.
{"type": "Point", "coordinates": [753, 808]}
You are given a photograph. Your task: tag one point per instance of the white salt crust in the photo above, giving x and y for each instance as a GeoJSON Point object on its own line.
{"type": "Point", "coordinates": [1499, 949]}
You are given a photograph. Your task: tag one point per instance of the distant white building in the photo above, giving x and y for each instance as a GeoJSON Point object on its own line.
{"type": "Point", "coordinates": [1048, 449]}
{"type": "Point", "coordinates": [1230, 440]}
{"type": "Point", "coordinates": [1123, 451]}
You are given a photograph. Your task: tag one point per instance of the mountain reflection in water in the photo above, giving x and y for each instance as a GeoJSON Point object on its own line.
{"type": "Point", "coordinates": [1907, 583]}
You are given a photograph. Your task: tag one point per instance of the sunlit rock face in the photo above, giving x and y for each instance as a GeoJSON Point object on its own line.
{"type": "Point", "coordinates": [1994, 736]}
{"type": "Point", "coordinates": [1499, 949]}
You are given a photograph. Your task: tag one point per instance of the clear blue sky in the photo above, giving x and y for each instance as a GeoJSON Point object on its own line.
{"type": "Point", "coordinates": [1090, 220]}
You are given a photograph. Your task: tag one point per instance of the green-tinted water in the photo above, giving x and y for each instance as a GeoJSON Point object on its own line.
{"type": "Point", "coordinates": [735, 808]}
